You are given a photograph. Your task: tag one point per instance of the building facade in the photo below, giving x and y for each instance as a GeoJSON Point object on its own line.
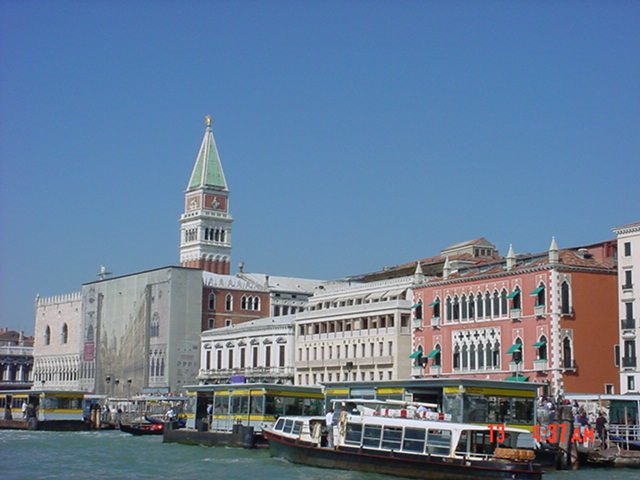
{"type": "Point", "coordinates": [230, 300]}
{"type": "Point", "coordinates": [16, 360]}
{"type": "Point", "coordinates": [549, 317]}
{"type": "Point", "coordinates": [629, 305]}
{"type": "Point", "coordinates": [205, 225]}
{"type": "Point", "coordinates": [58, 342]}
{"type": "Point", "coordinates": [355, 333]}
{"type": "Point", "coordinates": [259, 351]}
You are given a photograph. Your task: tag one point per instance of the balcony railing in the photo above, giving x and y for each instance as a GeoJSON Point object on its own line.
{"type": "Point", "coordinates": [627, 286]}
{"type": "Point", "coordinates": [515, 314]}
{"type": "Point", "coordinates": [629, 361]}
{"type": "Point", "coordinates": [416, 323]}
{"type": "Point", "coordinates": [567, 312]}
{"type": "Point", "coordinates": [538, 310]}
{"type": "Point", "coordinates": [435, 370]}
{"type": "Point", "coordinates": [515, 366]}
{"type": "Point", "coordinates": [435, 321]}
{"type": "Point", "coordinates": [540, 364]}
{"type": "Point", "coordinates": [628, 323]}
{"type": "Point", "coordinates": [417, 371]}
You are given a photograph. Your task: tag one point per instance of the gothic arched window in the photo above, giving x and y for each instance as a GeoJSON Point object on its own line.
{"type": "Point", "coordinates": [47, 335]}
{"type": "Point", "coordinates": [567, 353]}
{"type": "Point", "coordinates": [566, 298]}
{"type": "Point", "coordinates": [65, 333]}
{"type": "Point", "coordinates": [228, 302]}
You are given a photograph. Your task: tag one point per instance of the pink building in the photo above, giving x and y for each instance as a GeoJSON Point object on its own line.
{"type": "Point", "coordinates": [547, 317]}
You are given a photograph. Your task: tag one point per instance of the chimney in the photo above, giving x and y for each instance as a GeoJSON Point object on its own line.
{"type": "Point", "coordinates": [554, 254]}
{"type": "Point", "coordinates": [446, 269]}
{"type": "Point", "coordinates": [511, 258]}
{"type": "Point", "coordinates": [418, 275]}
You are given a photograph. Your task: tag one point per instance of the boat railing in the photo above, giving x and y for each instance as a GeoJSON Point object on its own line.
{"type": "Point", "coordinates": [408, 413]}
{"type": "Point", "coordinates": [624, 431]}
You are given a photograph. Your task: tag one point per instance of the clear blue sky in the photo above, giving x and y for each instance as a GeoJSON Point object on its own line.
{"type": "Point", "coordinates": [353, 134]}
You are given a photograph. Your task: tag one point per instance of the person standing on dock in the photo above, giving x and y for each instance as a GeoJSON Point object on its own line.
{"type": "Point", "coordinates": [601, 429]}
{"type": "Point", "coordinates": [328, 420]}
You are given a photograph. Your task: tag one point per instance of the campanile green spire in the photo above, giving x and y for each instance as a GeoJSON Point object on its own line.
{"type": "Point", "coordinates": [207, 171]}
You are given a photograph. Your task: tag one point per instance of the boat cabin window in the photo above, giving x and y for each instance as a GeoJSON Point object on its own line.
{"type": "Point", "coordinates": [239, 404]}
{"type": "Point", "coordinates": [391, 438]}
{"type": "Point", "coordinates": [297, 428]}
{"type": "Point", "coordinates": [221, 405]}
{"type": "Point", "coordinates": [353, 435]}
{"type": "Point", "coordinates": [65, 403]}
{"type": "Point", "coordinates": [414, 440]}
{"type": "Point", "coordinates": [371, 437]}
{"type": "Point", "coordinates": [279, 424]}
{"type": "Point", "coordinates": [439, 442]}
{"type": "Point", "coordinates": [288, 426]}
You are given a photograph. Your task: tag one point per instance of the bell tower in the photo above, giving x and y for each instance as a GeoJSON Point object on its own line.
{"type": "Point", "coordinates": [205, 225]}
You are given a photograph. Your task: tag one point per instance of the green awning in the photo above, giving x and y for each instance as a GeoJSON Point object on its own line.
{"type": "Point", "coordinates": [416, 354]}
{"type": "Point", "coordinates": [514, 294]}
{"type": "Point", "coordinates": [416, 305]}
{"type": "Point", "coordinates": [517, 378]}
{"type": "Point", "coordinates": [539, 344]}
{"type": "Point", "coordinates": [515, 348]}
{"type": "Point", "coordinates": [537, 291]}
{"type": "Point", "coordinates": [434, 303]}
{"type": "Point", "coordinates": [433, 353]}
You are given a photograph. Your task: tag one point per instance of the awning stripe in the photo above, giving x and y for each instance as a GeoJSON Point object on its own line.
{"type": "Point", "coordinates": [515, 348]}
{"type": "Point", "coordinates": [536, 291]}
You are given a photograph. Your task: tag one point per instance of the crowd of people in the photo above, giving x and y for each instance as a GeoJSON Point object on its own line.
{"type": "Point", "coordinates": [583, 417]}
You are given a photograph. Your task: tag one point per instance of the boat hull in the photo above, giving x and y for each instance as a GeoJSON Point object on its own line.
{"type": "Point", "coordinates": [147, 429]}
{"type": "Point", "coordinates": [398, 464]}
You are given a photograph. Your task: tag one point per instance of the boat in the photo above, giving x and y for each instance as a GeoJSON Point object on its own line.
{"type": "Point", "coordinates": [393, 438]}
{"type": "Point", "coordinates": [142, 428]}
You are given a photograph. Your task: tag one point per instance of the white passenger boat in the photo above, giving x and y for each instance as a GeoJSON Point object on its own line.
{"type": "Point", "coordinates": [393, 438]}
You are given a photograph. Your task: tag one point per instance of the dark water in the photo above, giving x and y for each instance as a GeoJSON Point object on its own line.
{"type": "Point", "coordinates": [101, 455]}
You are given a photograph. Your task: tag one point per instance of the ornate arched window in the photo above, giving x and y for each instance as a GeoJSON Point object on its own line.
{"type": "Point", "coordinates": [243, 302]}
{"type": "Point", "coordinates": [542, 348]}
{"type": "Point", "coordinates": [228, 302]}
{"type": "Point", "coordinates": [456, 357]}
{"type": "Point", "coordinates": [464, 310]}
{"type": "Point", "coordinates": [503, 303]}
{"type": "Point", "coordinates": [565, 292]}
{"type": "Point", "coordinates": [437, 359]}
{"type": "Point", "coordinates": [64, 334]}
{"type": "Point", "coordinates": [90, 333]}
{"type": "Point", "coordinates": [567, 353]}
{"type": "Point", "coordinates": [47, 335]}
{"type": "Point", "coordinates": [496, 355]}
{"type": "Point", "coordinates": [212, 301]}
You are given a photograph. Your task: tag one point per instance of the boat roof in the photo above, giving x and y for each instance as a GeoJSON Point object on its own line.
{"type": "Point", "coordinates": [390, 402]}
{"type": "Point", "coordinates": [414, 422]}
{"type": "Point", "coordinates": [253, 386]}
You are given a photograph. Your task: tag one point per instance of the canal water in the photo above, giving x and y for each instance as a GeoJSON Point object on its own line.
{"type": "Point", "coordinates": [116, 455]}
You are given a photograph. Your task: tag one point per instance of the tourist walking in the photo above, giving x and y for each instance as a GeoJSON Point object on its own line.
{"type": "Point", "coordinates": [328, 420]}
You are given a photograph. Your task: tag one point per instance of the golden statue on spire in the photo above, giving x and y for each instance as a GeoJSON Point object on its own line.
{"type": "Point", "coordinates": [208, 120]}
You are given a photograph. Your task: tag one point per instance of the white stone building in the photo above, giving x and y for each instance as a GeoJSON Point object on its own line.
{"type": "Point", "coordinates": [58, 342]}
{"type": "Point", "coordinates": [258, 351]}
{"type": "Point", "coordinates": [359, 332]}
{"type": "Point", "coordinates": [629, 305]}
{"type": "Point", "coordinates": [287, 295]}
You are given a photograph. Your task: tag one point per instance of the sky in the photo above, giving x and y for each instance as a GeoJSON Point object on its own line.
{"type": "Point", "coordinates": [353, 134]}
